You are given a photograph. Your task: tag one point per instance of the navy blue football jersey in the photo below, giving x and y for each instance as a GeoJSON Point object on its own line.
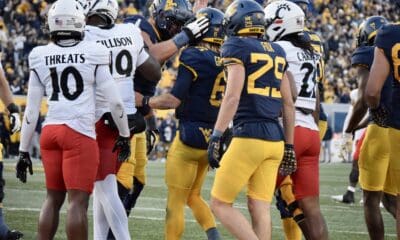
{"type": "Point", "coordinates": [200, 86]}
{"type": "Point", "coordinates": [143, 86]}
{"type": "Point", "coordinates": [388, 39]}
{"type": "Point", "coordinates": [364, 56]}
{"type": "Point", "coordinates": [260, 101]}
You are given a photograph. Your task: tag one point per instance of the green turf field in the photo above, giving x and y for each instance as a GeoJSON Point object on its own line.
{"type": "Point", "coordinates": [23, 202]}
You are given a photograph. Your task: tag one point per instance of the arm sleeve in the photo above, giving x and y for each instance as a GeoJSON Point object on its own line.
{"type": "Point", "coordinates": [34, 99]}
{"type": "Point", "coordinates": [183, 82]}
{"type": "Point", "coordinates": [107, 86]}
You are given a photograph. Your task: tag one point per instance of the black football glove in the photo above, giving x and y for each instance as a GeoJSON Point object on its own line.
{"type": "Point", "coordinates": [15, 120]}
{"type": "Point", "coordinates": [123, 146]}
{"type": "Point", "coordinates": [214, 152]}
{"type": "Point", "coordinates": [151, 138]}
{"type": "Point", "coordinates": [289, 163]}
{"type": "Point", "coordinates": [380, 116]}
{"type": "Point", "coordinates": [24, 162]}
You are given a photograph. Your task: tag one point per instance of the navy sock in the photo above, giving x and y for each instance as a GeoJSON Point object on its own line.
{"type": "Point", "coordinates": [213, 234]}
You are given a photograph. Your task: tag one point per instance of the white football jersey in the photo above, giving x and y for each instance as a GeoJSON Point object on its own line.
{"type": "Point", "coordinates": [303, 67]}
{"type": "Point", "coordinates": [127, 52]}
{"type": "Point", "coordinates": [68, 76]}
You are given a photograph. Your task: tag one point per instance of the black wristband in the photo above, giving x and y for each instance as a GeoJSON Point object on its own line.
{"type": "Point", "coordinates": [145, 101]}
{"type": "Point", "coordinates": [13, 108]}
{"type": "Point", "coordinates": [290, 146]}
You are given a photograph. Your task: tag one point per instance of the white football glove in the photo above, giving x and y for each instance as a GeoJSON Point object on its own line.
{"type": "Point", "coordinates": [195, 30]}
{"type": "Point", "coordinates": [15, 122]}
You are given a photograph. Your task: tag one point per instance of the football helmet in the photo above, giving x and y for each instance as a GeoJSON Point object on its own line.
{"type": "Point", "coordinates": [170, 16]}
{"type": "Point", "coordinates": [244, 17]}
{"type": "Point", "coordinates": [215, 33]}
{"type": "Point", "coordinates": [66, 20]}
{"type": "Point", "coordinates": [283, 18]}
{"type": "Point", "coordinates": [106, 9]}
{"type": "Point", "coordinates": [368, 30]}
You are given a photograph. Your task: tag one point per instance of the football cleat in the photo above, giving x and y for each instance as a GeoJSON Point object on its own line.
{"type": "Point", "coordinates": [347, 198]}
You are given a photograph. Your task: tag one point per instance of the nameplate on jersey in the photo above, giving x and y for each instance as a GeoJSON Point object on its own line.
{"type": "Point", "coordinates": [64, 59]}
{"type": "Point", "coordinates": [117, 42]}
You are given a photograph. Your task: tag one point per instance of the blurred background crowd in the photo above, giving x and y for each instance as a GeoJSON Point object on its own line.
{"type": "Point", "coordinates": [336, 21]}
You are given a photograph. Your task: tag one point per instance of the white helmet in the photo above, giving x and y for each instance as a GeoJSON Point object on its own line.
{"type": "Point", "coordinates": [107, 8]}
{"type": "Point", "coordinates": [66, 19]}
{"type": "Point", "coordinates": [283, 18]}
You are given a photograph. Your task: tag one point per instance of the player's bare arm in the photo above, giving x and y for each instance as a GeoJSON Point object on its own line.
{"type": "Point", "coordinates": [160, 51]}
{"type": "Point", "coordinates": [379, 72]}
{"type": "Point", "coordinates": [360, 107]}
{"type": "Point", "coordinates": [150, 69]}
{"type": "Point", "coordinates": [288, 109]}
{"type": "Point", "coordinates": [230, 102]}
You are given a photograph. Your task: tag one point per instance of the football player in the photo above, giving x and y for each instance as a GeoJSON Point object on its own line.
{"type": "Point", "coordinates": [286, 202]}
{"type": "Point", "coordinates": [196, 95]}
{"type": "Point", "coordinates": [374, 154]}
{"type": "Point", "coordinates": [164, 33]}
{"type": "Point", "coordinates": [285, 24]}
{"type": "Point", "coordinates": [257, 91]}
{"type": "Point", "coordinates": [128, 55]}
{"type": "Point", "coordinates": [71, 71]}
{"type": "Point", "coordinates": [15, 125]}
{"type": "Point", "coordinates": [387, 62]}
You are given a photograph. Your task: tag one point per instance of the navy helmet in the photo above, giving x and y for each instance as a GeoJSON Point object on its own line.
{"type": "Point", "coordinates": [170, 16]}
{"type": "Point", "coordinates": [215, 33]}
{"type": "Point", "coordinates": [243, 17]}
{"type": "Point", "coordinates": [368, 30]}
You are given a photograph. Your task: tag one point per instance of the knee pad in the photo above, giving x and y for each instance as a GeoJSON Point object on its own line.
{"type": "Point", "coordinates": [281, 205]}
{"type": "Point", "coordinates": [353, 177]}
{"type": "Point", "coordinates": [296, 212]}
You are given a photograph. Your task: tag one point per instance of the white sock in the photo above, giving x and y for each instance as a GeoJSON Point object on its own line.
{"type": "Point", "coordinates": [113, 209]}
{"type": "Point", "coordinates": [351, 189]}
{"type": "Point", "coordinates": [100, 224]}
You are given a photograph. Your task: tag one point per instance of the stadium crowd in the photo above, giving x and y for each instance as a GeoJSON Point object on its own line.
{"type": "Point", "coordinates": [21, 29]}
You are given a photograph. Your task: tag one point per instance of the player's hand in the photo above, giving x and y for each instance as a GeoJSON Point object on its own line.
{"type": "Point", "coordinates": [380, 116]}
{"type": "Point", "coordinates": [289, 163]}
{"type": "Point", "coordinates": [15, 120]}
{"type": "Point", "coordinates": [151, 138]}
{"type": "Point", "coordinates": [345, 146]}
{"type": "Point", "coordinates": [213, 151]}
{"type": "Point", "coordinates": [123, 146]}
{"type": "Point", "coordinates": [24, 163]}
{"type": "Point", "coordinates": [196, 29]}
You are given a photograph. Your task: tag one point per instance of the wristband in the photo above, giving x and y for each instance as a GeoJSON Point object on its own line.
{"type": "Point", "coordinates": [13, 108]}
{"type": "Point", "coordinates": [181, 39]}
{"type": "Point", "coordinates": [287, 145]}
{"type": "Point", "coordinates": [145, 101]}
{"type": "Point", "coordinates": [217, 133]}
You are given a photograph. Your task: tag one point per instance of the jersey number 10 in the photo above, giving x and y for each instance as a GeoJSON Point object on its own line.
{"type": "Point", "coordinates": [63, 82]}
